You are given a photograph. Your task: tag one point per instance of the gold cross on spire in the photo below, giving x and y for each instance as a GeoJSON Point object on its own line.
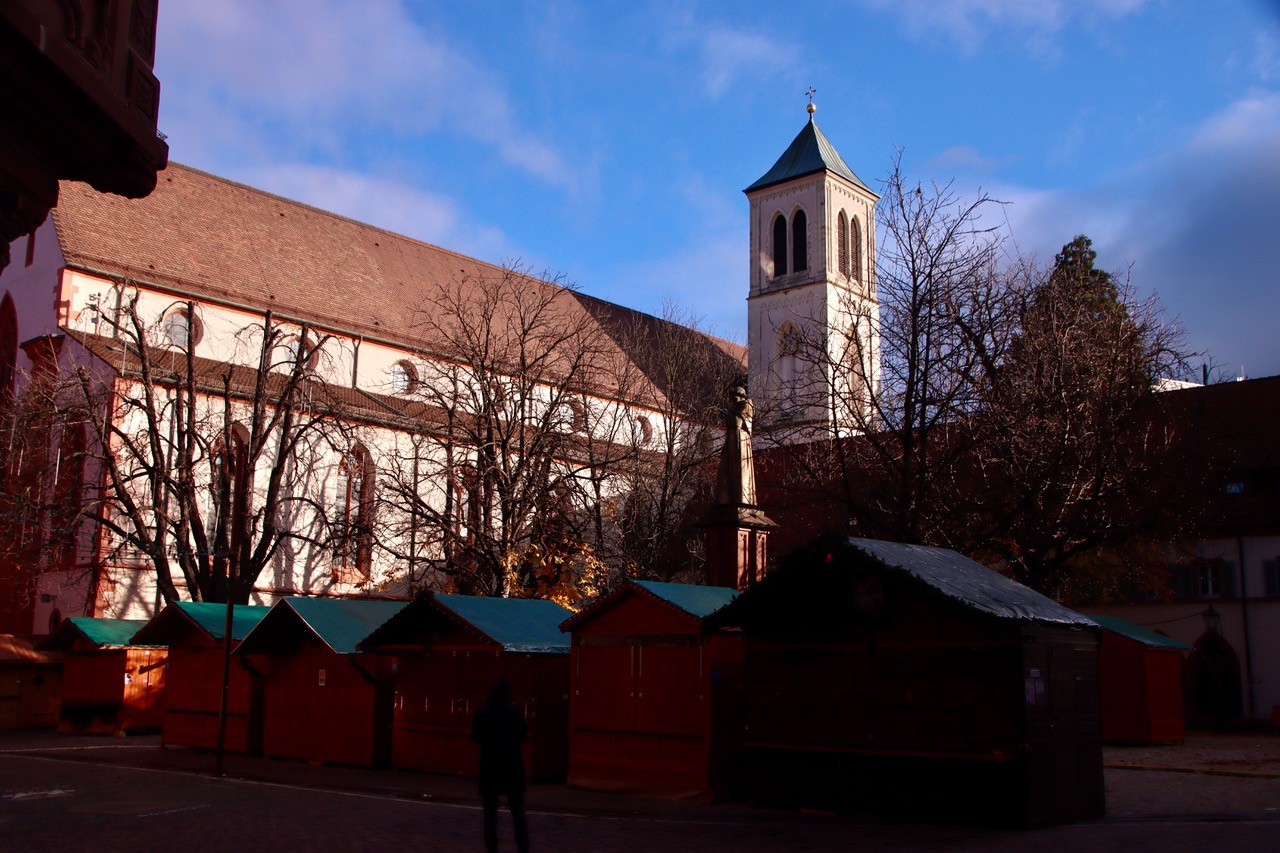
{"type": "Point", "coordinates": [812, 91]}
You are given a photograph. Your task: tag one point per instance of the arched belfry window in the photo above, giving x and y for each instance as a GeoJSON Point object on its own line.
{"type": "Point", "coordinates": [799, 242]}
{"type": "Point", "coordinates": [855, 250]}
{"type": "Point", "coordinates": [353, 516]}
{"type": "Point", "coordinates": [842, 243]}
{"type": "Point", "coordinates": [779, 245]}
{"type": "Point", "coordinates": [8, 344]}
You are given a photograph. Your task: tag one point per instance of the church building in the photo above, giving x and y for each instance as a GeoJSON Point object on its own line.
{"type": "Point", "coordinates": [812, 310]}
{"type": "Point", "coordinates": [214, 292]}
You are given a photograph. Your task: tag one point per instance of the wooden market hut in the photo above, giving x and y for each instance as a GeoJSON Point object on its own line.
{"type": "Point", "coordinates": [447, 650]}
{"type": "Point", "coordinates": [915, 681]}
{"type": "Point", "coordinates": [193, 631]}
{"type": "Point", "coordinates": [109, 684]}
{"type": "Point", "coordinates": [1140, 672]}
{"type": "Point", "coordinates": [656, 698]}
{"type": "Point", "coordinates": [323, 699]}
{"type": "Point", "coordinates": [30, 685]}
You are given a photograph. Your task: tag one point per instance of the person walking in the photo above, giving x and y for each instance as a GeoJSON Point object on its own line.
{"type": "Point", "coordinates": [499, 728]}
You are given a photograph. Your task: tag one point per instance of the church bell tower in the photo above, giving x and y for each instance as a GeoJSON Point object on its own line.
{"type": "Point", "coordinates": [812, 310]}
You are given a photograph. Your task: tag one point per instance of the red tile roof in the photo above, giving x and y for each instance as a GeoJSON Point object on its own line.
{"type": "Point", "coordinates": [208, 236]}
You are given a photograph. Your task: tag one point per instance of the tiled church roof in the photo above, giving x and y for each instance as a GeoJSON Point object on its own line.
{"type": "Point", "coordinates": [208, 236]}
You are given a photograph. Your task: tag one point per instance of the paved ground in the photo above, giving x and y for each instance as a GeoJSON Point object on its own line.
{"type": "Point", "coordinates": [116, 794]}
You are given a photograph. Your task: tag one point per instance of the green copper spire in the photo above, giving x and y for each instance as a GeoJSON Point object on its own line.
{"type": "Point", "coordinates": [808, 153]}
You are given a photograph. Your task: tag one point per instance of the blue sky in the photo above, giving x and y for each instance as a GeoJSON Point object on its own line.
{"type": "Point", "coordinates": [610, 141]}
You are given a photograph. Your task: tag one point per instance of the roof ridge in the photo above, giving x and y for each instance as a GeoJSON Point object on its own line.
{"type": "Point", "coordinates": [708, 335]}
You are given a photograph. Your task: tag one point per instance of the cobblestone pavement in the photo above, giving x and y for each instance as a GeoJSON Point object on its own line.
{"type": "Point", "coordinates": [108, 794]}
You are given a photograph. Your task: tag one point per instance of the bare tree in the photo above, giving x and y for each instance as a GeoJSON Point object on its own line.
{"type": "Point", "coordinates": [37, 504]}
{"type": "Point", "coordinates": [903, 363]}
{"type": "Point", "coordinates": [514, 416]}
{"type": "Point", "coordinates": [651, 530]}
{"type": "Point", "coordinates": [1080, 471]}
{"type": "Point", "coordinates": [205, 464]}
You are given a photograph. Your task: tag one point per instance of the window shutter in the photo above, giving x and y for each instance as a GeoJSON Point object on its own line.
{"type": "Point", "coordinates": [1271, 577]}
{"type": "Point", "coordinates": [1230, 587]}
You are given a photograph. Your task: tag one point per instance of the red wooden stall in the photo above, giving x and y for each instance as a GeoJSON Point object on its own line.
{"type": "Point", "coordinates": [447, 650]}
{"type": "Point", "coordinates": [324, 700]}
{"type": "Point", "coordinates": [193, 632]}
{"type": "Point", "coordinates": [914, 681]}
{"type": "Point", "coordinates": [30, 685]}
{"type": "Point", "coordinates": [1141, 681]}
{"type": "Point", "coordinates": [656, 698]}
{"type": "Point", "coordinates": [109, 684]}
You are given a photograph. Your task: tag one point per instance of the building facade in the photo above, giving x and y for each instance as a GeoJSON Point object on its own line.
{"type": "Point", "coordinates": [180, 327]}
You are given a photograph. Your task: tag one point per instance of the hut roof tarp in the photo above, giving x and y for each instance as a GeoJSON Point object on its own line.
{"type": "Point", "coordinates": [516, 624]}
{"type": "Point", "coordinates": [970, 583]}
{"type": "Point", "coordinates": [699, 601]}
{"type": "Point", "coordinates": [340, 623]}
{"type": "Point", "coordinates": [694, 600]}
{"type": "Point", "coordinates": [105, 633]}
{"type": "Point", "coordinates": [207, 617]}
{"type": "Point", "coordinates": [1138, 633]}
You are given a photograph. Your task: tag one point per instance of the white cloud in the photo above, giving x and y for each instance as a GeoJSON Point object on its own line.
{"type": "Point", "coordinates": [970, 23]}
{"type": "Point", "coordinates": [1197, 224]}
{"type": "Point", "coordinates": [727, 57]}
{"type": "Point", "coordinates": [1266, 57]}
{"type": "Point", "coordinates": [707, 277]}
{"type": "Point", "coordinates": [388, 204]}
{"type": "Point", "coordinates": [310, 73]}
{"type": "Point", "coordinates": [1251, 120]}
{"type": "Point", "coordinates": [963, 158]}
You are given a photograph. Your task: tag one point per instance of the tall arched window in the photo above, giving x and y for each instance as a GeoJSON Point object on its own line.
{"type": "Point", "coordinates": [788, 369]}
{"type": "Point", "coordinates": [779, 245]}
{"type": "Point", "coordinates": [799, 242]}
{"type": "Point", "coordinates": [8, 344]}
{"type": "Point", "coordinates": [231, 476]}
{"type": "Point", "coordinates": [855, 250]}
{"type": "Point", "coordinates": [68, 482]}
{"type": "Point", "coordinates": [466, 514]}
{"type": "Point", "coordinates": [842, 243]}
{"type": "Point", "coordinates": [353, 516]}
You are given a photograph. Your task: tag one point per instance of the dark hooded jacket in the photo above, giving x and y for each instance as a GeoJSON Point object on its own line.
{"type": "Point", "coordinates": [499, 728]}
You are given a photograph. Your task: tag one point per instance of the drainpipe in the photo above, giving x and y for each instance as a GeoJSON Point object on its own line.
{"type": "Point", "coordinates": [1248, 643]}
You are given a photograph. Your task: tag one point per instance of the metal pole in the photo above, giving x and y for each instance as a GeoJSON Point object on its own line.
{"type": "Point", "coordinates": [226, 674]}
{"type": "Point", "coordinates": [1248, 642]}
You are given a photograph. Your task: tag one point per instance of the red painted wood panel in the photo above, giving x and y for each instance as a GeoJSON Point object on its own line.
{"type": "Point", "coordinates": [439, 690]}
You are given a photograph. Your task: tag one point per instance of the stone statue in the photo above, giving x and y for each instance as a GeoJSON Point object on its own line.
{"type": "Point", "coordinates": [736, 479]}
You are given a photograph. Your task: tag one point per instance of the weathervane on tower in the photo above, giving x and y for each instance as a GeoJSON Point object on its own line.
{"type": "Point", "coordinates": [811, 108]}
